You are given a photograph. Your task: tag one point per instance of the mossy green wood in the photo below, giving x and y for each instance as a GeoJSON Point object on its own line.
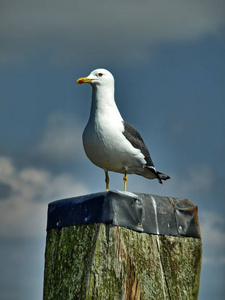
{"type": "Point", "coordinates": [99, 261]}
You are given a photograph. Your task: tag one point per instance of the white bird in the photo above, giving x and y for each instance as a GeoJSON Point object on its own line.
{"type": "Point", "coordinates": [109, 142]}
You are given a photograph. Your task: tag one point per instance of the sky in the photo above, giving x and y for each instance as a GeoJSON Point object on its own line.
{"type": "Point", "coordinates": [168, 61]}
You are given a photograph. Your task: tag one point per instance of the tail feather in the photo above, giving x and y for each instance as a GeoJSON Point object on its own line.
{"type": "Point", "coordinates": [159, 175]}
{"type": "Point", "coordinates": [162, 176]}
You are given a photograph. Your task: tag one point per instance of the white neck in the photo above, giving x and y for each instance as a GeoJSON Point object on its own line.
{"type": "Point", "coordinates": [103, 103]}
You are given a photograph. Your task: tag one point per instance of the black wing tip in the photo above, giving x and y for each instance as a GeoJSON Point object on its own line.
{"type": "Point", "coordinates": [159, 175]}
{"type": "Point", "coordinates": [162, 176]}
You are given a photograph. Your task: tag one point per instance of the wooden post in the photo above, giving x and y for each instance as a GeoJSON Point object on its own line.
{"type": "Point", "coordinates": [102, 260]}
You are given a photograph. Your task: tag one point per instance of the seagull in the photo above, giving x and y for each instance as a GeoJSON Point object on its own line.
{"type": "Point", "coordinates": [109, 142]}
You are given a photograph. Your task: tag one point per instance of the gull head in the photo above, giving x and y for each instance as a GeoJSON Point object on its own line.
{"type": "Point", "coordinates": [98, 77]}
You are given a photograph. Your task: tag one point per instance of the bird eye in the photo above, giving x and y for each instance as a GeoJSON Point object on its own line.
{"type": "Point", "coordinates": [100, 74]}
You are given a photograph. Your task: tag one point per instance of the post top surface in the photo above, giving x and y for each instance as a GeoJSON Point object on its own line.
{"type": "Point", "coordinates": [147, 213]}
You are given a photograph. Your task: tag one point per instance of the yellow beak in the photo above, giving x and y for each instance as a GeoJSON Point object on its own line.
{"type": "Point", "coordinates": [84, 80]}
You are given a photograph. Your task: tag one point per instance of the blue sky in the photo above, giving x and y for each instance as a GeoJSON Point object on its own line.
{"type": "Point", "coordinates": [168, 60]}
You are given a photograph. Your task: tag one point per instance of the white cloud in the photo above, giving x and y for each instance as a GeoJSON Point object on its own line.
{"type": "Point", "coordinates": [196, 181]}
{"type": "Point", "coordinates": [213, 260]}
{"type": "Point", "coordinates": [213, 238]}
{"type": "Point", "coordinates": [212, 229]}
{"type": "Point", "coordinates": [91, 31]}
{"type": "Point", "coordinates": [24, 212]}
{"type": "Point", "coordinates": [199, 179]}
{"type": "Point", "coordinates": [62, 139]}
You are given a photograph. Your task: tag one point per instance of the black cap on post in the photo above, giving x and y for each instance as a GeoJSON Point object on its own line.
{"type": "Point", "coordinates": [140, 212]}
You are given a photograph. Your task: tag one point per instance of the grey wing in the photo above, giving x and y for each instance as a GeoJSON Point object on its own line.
{"type": "Point", "coordinates": [134, 137]}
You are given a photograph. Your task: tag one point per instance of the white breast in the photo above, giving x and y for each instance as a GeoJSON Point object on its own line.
{"type": "Point", "coordinates": [106, 146]}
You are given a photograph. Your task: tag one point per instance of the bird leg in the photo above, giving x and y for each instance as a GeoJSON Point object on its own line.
{"type": "Point", "coordinates": [125, 178]}
{"type": "Point", "coordinates": [107, 180]}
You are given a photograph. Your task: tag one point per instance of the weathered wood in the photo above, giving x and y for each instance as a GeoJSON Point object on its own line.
{"type": "Point", "coordinates": [102, 261]}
